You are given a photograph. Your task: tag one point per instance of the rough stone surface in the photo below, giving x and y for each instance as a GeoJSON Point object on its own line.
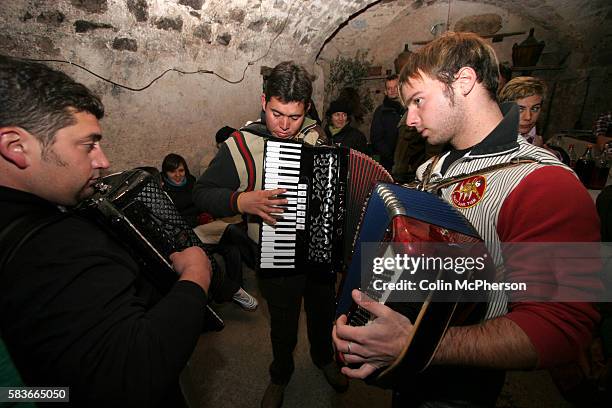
{"type": "Point", "coordinates": [139, 9]}
{"type": "Point", "coordinates": [51, 18]}
{"type": "Point", "coordinates": [483, 24]}
{"type": "Point", "coordinates": [92, 6]}
{"type": "Point", "coordinates": [82, 26]}
{"type": "Point", "coordinates": [45, 45]}
{"type": "Point", "coordinates": [194, 4]}
{"type": "Point", "coordinates": [256, 25]}
{"type": "Point", "coordinates": [125, 44]}
{"type": "Point", "coordinates": [27, 16]}
{"type": "Point", "coordinates": [204, 31]}
{"type": "Point", "coordinates": [224, 39]}
{"type": "Point", "coordinates": [168, 23]}
{"type": "Point", "coordinates": [237, 15]}
{"type": "Point", "coordinates": [224, 35]}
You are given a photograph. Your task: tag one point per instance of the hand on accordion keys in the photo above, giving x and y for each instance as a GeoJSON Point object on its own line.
{"type": "Point", "coordinates": [374, 346]}
{"type": "Point", "coordinates": [262, 203]}
{"type": "Point", "coordinates": [192, 264]}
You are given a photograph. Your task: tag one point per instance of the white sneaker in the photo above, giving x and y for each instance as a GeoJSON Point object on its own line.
{"type": "Point", "coordinates": [246, 301]}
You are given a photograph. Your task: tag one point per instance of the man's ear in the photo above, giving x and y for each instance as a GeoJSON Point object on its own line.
{"type": "Point", "coordinates": [465, 79]}
{"type": "Point", "coordinates": [263, 101]}
{"type": "Point", "coordinates": [13, 142]}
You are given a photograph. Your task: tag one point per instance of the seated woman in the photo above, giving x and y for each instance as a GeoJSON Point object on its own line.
{"type": "Point", "coordinates": [339, 130]}
{"type": "Point", "coordinates": [178, 183]}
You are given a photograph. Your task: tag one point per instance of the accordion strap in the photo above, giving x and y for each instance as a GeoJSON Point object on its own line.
{"type": "Point", "coordinates": [434, 187]}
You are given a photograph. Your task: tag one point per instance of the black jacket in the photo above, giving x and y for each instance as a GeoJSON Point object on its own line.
{"type": "Point", "coordinates": [348, 137]}
{"type": "Point", "coordinates": [75, 311]}
{"type": "Point", "coordinates": [183, 199]}
{"type": "Point", "coordinates": [383, 131]}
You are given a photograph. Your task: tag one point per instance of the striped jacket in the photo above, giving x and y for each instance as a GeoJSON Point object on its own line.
{"type": "Point", "coordinates": [238, 167]}
{"type": "Point", "coordinates": [523, 203]}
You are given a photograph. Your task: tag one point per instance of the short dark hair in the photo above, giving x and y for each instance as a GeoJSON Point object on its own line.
{"type": "Point", "coordinates": [289, 82]}
{"type": "Point", "coordinates": [172, 161]}
{"type": "Point", "coordinates": [41, 100]}
{"type": "Point", "coordinates": [445, 56]}
{"type": "Point", "coordinates": [391, 77]}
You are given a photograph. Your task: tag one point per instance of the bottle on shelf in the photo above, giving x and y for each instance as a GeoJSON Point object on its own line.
{"type": "Point", "coordinates": [571, 152]}
{"type": "Point", "coordinates": [601, 170]}
{"type": "Point", "coordinates": [585, 165]}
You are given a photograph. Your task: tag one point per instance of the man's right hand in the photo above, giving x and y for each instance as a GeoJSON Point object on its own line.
{"type": "Point", "coordinates": [192, 264]}
{"type": "Point", "coordinates": [262, 203]}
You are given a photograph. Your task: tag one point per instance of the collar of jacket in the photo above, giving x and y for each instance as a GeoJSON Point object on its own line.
{"type": "Point", "coordinates": [260, 128]}
{"type": "Point", "coordinates": [390, 104]}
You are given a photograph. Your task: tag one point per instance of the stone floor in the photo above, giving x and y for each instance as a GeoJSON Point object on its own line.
{"type": "Point", "coordinates": [230, 369]}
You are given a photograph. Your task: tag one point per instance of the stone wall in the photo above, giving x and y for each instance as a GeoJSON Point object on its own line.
{"type": "Point", "coordinates": [132, 42]}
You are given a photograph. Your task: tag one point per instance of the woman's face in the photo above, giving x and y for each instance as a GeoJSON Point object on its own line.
{"type": "Point", "coordinates": [529, 108]}
{"type": "Point", "coordinates": [177, 175]}
{"type": "Point", "coordinates": [339, 119]}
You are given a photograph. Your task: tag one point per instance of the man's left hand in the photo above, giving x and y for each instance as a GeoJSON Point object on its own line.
{"type": "Point", "coordinates": [373, 346]}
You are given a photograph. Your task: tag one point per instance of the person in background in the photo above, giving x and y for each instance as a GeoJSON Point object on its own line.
{"type": "Point", "coordinates": [410, 152]}
{"type": "Point", "coordinates": [384, 130]}
{"type": "Point", "coordinates": [75, 309]}
{"type": "Point", "coordinates": [528, 93]}
{"type": "Point", "coordinates": [232, 185]}
{"type": "Point", "coordinates": [449, 87]}
{"type": "Point", "coordinates": [339, 130]}
{"type": "Point", "coordinates": [178, 183]}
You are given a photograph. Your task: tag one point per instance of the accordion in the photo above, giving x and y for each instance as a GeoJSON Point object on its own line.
{"type": "Point", "coordinates": [326, 189]}
{"type": "Point", "coordinates": [403, 221]}
{"type": "Point", "coordinates": [134, 208]}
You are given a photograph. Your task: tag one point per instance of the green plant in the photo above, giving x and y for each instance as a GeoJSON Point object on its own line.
{"type": "Point", "coordinates": [346, 72]}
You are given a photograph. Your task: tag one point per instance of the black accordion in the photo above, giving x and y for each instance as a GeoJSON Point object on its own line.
{"type": "Point", "coordinates": [134, 208]}
{"type": "Point", "coordinates": [326, 189]}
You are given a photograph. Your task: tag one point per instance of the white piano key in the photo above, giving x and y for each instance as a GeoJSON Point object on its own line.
{"type": "Point", "coordinates": [279, 237]}
{"type": "Point", "coordinates": [274, 163]}
{"type": "Point", "coordinates": [286, 179]}
{"type": "Point", "coordinates": [272, 266]}
{"type": "Point", "coordinates": [277, 245]}
{"type": "Point", "coordinates": [286, 253]}
{"type": "Point", "coordinates": [291, 145]}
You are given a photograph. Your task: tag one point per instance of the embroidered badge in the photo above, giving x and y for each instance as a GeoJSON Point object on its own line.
{"type": "Point", "coordinates": [469, 192]}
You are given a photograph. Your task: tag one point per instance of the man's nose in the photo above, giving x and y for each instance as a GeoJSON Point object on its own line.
{"type": "Point", "coordinates": [285, 123]}
{"type": "Point", "coordinates": [100, 161]}
{"type": "Point", "coordinates": [526, 115]}
{"type": "Point", "coordinates": [411, 118]}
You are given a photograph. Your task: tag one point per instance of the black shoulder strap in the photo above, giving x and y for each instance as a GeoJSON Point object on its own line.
{"type": "Point", "coordinates": [18, 231]}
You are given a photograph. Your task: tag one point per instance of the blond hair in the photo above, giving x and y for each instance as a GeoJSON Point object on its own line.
{"type": "Point", "coordinates": [522, 87]}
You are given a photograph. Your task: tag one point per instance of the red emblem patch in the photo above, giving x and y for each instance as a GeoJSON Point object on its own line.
{"type": "Point", "coordinates": [469, 192]}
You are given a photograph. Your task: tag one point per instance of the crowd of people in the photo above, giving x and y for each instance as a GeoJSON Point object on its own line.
{"type": "Point", "coordinates": [78, 311]}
